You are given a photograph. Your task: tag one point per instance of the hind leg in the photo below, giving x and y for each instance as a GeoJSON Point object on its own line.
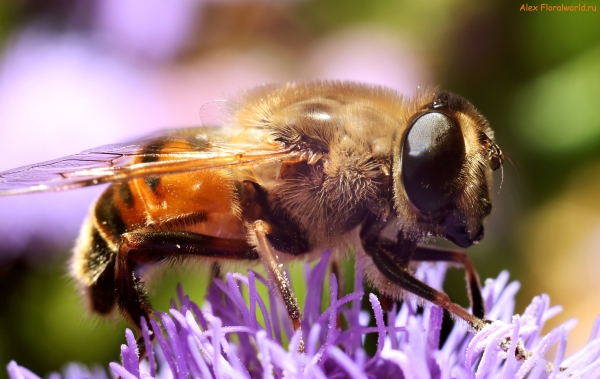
{"type": "Point", "coordinates": [139, 248]}
{"type": "Point", "coordinates": [146, 247]}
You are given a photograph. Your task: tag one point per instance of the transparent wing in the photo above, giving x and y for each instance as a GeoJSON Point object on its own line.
{"type": "Point", "coordinates": [168, 152]}
{"type": "Point", "coordinates": [217, 113]}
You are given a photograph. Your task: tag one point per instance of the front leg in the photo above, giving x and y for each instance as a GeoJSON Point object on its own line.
{"type": "Point", "coordinates": [438, 254]}
{"type": "Point", "coordinates": [396, 272]}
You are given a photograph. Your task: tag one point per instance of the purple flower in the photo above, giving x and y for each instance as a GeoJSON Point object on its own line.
{"type": "Point", "coordinates": [238, 338]}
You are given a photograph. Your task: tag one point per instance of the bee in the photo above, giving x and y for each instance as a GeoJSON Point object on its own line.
{"type": "Point", "coordinates": [290, 171]}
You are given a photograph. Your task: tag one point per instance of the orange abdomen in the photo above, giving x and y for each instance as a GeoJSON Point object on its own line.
{"type": "Point", "coordinates": [204, 202]}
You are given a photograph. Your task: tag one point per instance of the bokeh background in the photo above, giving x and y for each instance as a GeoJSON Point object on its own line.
{"type": "Point", "coordinates": [78, 74]}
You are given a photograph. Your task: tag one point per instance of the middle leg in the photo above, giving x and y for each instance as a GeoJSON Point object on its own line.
{"type": "Point", "coordinates": [277, 274]}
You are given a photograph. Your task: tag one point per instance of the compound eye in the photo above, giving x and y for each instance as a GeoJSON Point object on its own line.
{"type": "Point", "coordinates": [433, 154]}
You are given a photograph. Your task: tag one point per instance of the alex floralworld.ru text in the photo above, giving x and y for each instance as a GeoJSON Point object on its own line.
{"type": "Point", "coordinates": [557, 8]}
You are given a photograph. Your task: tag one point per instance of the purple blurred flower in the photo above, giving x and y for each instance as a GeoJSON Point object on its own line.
{"type": "Point", "coordinates": [152, 30]}
{"type": "Point", "coordinates": [200, 343]}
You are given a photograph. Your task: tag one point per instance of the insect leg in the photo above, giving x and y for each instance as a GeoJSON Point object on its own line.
{"type": "Point", "coordinates": [142, 247]}
{"type": "Point", "coordinates": [274, 233]}
{"type": "Point", "coordinates": [394, 272]}
{"type": "Point", "coordinates": [278, 275]}
{"type": "Point", "coordinates": [437, 254]}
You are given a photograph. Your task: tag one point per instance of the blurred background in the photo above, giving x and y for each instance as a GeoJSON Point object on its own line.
{"type": "Point", "coordinates": [78, 74]}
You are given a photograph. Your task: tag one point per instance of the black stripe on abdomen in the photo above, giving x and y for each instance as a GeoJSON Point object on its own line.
{"type": "Point", "coordinates": [107, 214]}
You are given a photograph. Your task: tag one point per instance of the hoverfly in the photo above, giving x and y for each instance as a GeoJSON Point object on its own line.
{"type": "Point", "coordinates": [293, 170]}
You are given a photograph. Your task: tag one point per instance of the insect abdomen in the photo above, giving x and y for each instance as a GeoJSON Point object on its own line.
{"type": "Point", "coordinates": [93, 267]}
{"type": "Point", "coordinates": [93, 264]}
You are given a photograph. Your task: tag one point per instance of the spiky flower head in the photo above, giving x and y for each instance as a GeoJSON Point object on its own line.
{"type": "Point", "coordinates": [237, 338]}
